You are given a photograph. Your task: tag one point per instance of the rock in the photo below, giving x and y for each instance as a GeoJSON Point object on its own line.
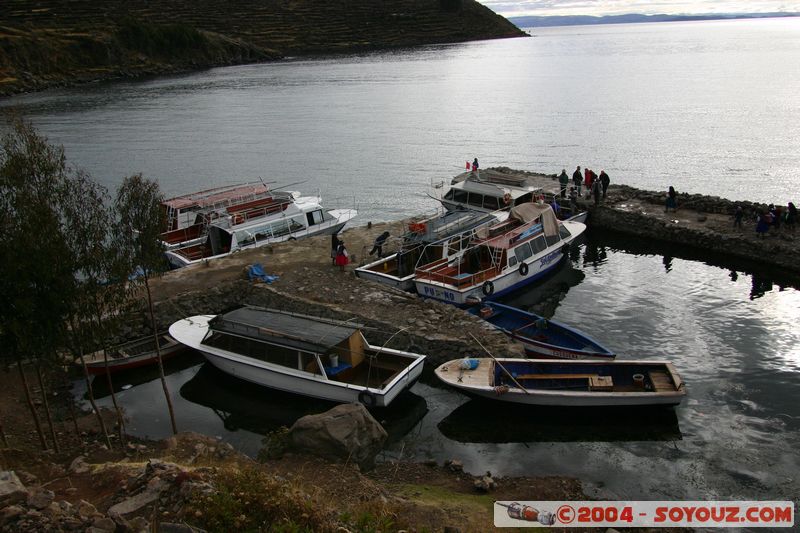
{"type": "Point", "coordinates": [139, 525]}
{"type": "Point", "coordinates": [79, 466]}
{"type": "Point", "coordinates": [104, 523]}
{"type": "Point", "coordinates": [11, 488]}
{"type": "Point", "coordinates": [134, 503]}
{"type": "Point", "coordinates": [485, 484]}
{"type": "Point", "coordinates": [346, 432]}
{"type": "Point", "coordinates": [86, 510]}
{"type": "Point", "coordinates": [40, 498]}
{"type": "Point", "coordinates": [11, 512]}
{"type": "Point", "coordinates": [454, 465]}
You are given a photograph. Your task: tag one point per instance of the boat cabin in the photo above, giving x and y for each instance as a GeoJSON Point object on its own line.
{"type": "Point", "coordinates": [181, 211]}
{"type": "Point", "coordinates": [326, 348]}
{"type": "Point", "coordinates": [488, 191]}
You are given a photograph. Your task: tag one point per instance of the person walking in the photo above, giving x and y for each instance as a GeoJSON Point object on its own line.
{"type": "Point", "coordinates": [377, 246]}
{"type": "Point", "coordinates": [605, 181]}
{"type": "Point", "coordinates": [334, 246]}
{"type": "Point", "coordinates": [563, 182]}
{"type": "Point", "coordinates": [342, 257]}
{"type": "Point", "coordinates": [577, 179]}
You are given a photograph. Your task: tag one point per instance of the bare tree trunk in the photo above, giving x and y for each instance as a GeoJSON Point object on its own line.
{"type": "Point", "coordinates": [32, 407]}
{"type": "Point", "coordinates": [158, 353]}
{"type": "Point", "coordinates": [3, 435]}
{"type": "Point", "coordinates": [91, 401]}
{"type": "Point", "coordinates": [120, 419]}
{"type": "Point", "coordinates": [47, 409]}
{"type": "Point", "coordinates": [70, 406]}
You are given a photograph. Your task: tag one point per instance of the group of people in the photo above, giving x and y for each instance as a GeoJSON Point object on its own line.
{"type": "Point", "coordinates": [341, 257]}
{"type": "Point", "coordinates": [596, 185]}
{"type": "Point", "coordinates": [773, 217]}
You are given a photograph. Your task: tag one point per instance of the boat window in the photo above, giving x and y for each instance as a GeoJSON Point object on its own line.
{"type": "Point", "coordinates": [523, 251]}
{"type": "Point", "coordinates": [460, 196]}
{"type": "Point", "coordinates": [476, 199]}
{"type": "Point", "coordinates": [490, 202]}
{"type": "Point", "coordinates": [449, 194]}
{"type": "Point", "coordinates": [563, 231]}
{"type": "Point", "coordinates": [538, 244]}
{"type": "Point", "coordinates": [245, 238]}
{"type": "Point", "coordinates": [308, 362]}
{"type": "Point", "coordinates": [269, 353]}
{"type": "Point", "coordinates": [552, 239]}
{"type": "Point", "coordinates": [527, 197]}
{"type": "Point", "coordinates": [315, 217]}
{"type": "Point", "coordinates": [512, 261]}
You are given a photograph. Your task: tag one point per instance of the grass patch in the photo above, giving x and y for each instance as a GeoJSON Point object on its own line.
{"type": "Point", "coordinates": [166, 40]}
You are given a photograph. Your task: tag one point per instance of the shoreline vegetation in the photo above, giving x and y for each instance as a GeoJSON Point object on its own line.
{"type": "Point", "coordinates": [51, 43]}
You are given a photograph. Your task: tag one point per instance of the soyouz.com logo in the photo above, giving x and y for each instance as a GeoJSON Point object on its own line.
{"type": "Point", "coordinates": [644, 514]}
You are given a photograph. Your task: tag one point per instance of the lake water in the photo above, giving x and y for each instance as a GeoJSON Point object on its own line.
{"type": "Point", "coordinates": [709, 107]}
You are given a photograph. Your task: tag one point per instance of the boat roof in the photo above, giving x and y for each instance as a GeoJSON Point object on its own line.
{"type": "Point", "coordinates": [489, 181]}
{"type": "Point", "coordinates": [218, 194]}
{"type": "Point", "coordinates": [450, 223]}
{"type": "Point", "coordinates": [534, 218]}
{"type": "Point", "coordinates": [310, 334]}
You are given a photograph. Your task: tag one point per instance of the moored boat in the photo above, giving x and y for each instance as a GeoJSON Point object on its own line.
{"type": "Point", "coordinates": [579, 383]}
{"type": "Point", "coordinates": [489, 190]}
{"type": "Point", "coordinates": [426, 241]}
{"type": "Point", "coordinates": [542, 338]}
{"type": "Point", "coordinates": [502, 258]}
{"type": "Point", "coordinates": [304, 355]}
{"type": "Point", "coordinates": [181, 210]}
{"type": "Point", "coordinates": [133, 354]}
{"type": "Point", "coordinates": [299, 218]}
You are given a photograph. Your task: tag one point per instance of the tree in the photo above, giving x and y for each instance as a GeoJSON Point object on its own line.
{"type": "Point", "coordinates": [140, 223]}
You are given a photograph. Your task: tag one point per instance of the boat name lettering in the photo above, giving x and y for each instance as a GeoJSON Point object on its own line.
{"type": "Point", "coordinates": [549, 258]}
{"type": "Point", "coordinates": [439, 293]}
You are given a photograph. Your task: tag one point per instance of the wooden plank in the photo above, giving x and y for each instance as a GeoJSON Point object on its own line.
{"type": "Point", "coordinates": [661, 381]}
{"type": "Point", "coordinates": [557, 376]}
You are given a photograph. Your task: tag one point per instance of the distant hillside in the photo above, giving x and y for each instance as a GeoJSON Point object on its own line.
{"type": "Point", "coordinates": [51, 42]}
{"type": "Point", "coordinates": [537, 21]}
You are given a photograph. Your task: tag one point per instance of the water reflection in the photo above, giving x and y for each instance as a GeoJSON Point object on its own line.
{"type": "Point", "coordinates": [502, 423]}
{"type": "Point", "coordinates": [138, 376]}
{"type": "Point", "coordinates": [543, 297]}
{"type": "Point", "coordinates": [241, 405]}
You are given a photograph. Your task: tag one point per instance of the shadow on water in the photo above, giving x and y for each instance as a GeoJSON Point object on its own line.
{"type": "Point", "coordinates": [764, 277]}
{"type": "Point", "coordinates": [138, 376]}
{"type": "Point", "coordinates": [502, 423]}
{"type": "Point", "coordinates": [247, 406]}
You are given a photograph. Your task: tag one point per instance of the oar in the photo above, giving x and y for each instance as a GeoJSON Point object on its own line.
{"type": "Point", "coordinates": [500, 365]}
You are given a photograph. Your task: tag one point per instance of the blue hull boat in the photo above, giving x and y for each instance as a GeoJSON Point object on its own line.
{"type": "Point", "coordinates": [542, 338]}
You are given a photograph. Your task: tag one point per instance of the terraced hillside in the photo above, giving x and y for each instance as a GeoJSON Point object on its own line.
{"type": "Point", "coordinates": [46, 42]}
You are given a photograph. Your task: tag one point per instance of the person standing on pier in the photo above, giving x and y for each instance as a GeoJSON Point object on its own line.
{"type": "Point", "coordinates": [577, 179]}
{"type": "Point", "coordinates": [596, 189]}
{"type": "Point", "coordinates": [791, 216]}
{"type": "Point", "coordinates": [764, 221]}
{"type": "Point", "coordinates": [334, 246]}
{"type": "Point", "coordinates": [672, 200]}
{"type": "Point", "coordinates": [588, 176]}
{"type": "Point", "coordinates": [605, 181]}
{"type": "Point", "coordinates": [563, 181]}
{"type": "Point", "coordinates": [738, 215]}
{"type": "Point", "coordinates": [475, 165]}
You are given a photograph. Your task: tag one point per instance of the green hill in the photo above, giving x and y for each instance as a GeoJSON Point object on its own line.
{"type": "Point", "coordinates": [51, 42]}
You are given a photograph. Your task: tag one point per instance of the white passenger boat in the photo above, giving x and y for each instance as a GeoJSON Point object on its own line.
{"type": "Point", "coordinates": [489, 190]}
{"type": "Point", "coordinates": [301, 217]}
{"type": "Point", "coordinates": [426, 241]}
{"type": "Point", "coordinates": [300, 354]}
{"type": "Point", "coordinates": [502, 257]}
{"type": "Point", "coordinates": [565, 383]}
{"type": "Point", "coordinates": [181, 210]}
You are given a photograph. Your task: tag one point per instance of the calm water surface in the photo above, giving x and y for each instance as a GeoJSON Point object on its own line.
{"type": "Point", "coordinates": [708, 107]}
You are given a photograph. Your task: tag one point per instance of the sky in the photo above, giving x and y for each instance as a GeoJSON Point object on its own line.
{"type": "Point", "coordinates": [516, 8]}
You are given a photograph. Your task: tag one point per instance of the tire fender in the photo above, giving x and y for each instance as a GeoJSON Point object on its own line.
{"type": "Point", "coordinates": [523, 269]}
{"type": "Point", "coordinates": [488, 288]}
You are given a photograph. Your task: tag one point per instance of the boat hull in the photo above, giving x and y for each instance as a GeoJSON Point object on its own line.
{"type": "Point", "coordinates": [480, 382]}
{"type": "Point", "coordinates": [98, 365]}
{"type": "Point", "coordinates": [372, 272]}
{"type": "Point", "coordinates": [191, 332]}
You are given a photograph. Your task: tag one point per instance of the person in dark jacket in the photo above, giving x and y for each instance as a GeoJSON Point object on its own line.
{"type": "Point", "coordinates": [672, 200]}
{"type": "Point", "coordinates": [563, 182]}
{"type": "Point", "coordinates": [577, 179]}
{"type": "Point", "coordinates": [597, 188]}
{"type": "Point", "coordinates": [605, 181]}
{"type": "Point", "coordinates": [377, 246]}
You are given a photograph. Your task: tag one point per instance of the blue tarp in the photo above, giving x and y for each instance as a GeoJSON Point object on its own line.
{"type": "Point", "coordinates": [256, 273]}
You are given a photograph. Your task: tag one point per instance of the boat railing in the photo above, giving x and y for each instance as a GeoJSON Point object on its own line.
{"type": "Point", "coordinates": [243, 215]}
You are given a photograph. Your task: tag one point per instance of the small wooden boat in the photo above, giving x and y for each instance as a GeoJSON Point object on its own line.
{"type": "Point", "coordinates": [305, 355]}
{"type": "Point", "coordinates": [542, 338]}
{"type": "Point", "coordinates": [566, 383]}
{"type": "Point", "coordinates": [139, 352]}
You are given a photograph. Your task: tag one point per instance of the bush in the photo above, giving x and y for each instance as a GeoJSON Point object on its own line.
{"type": "Point", "coordinates": [160, 40]}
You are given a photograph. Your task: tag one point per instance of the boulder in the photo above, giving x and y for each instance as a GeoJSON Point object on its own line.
{"type": "Point", "coordinates": [40, 498]}
{"type": "Point", "coordinates": [347, 432]}
{"type": "Point", "coordinates": [11, 489]}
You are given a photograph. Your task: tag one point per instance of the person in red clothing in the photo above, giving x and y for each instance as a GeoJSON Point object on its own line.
{"type": "Point", "coordinates": [342, 257]}
{"type": "Point", "coordinates": [587, 181]}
